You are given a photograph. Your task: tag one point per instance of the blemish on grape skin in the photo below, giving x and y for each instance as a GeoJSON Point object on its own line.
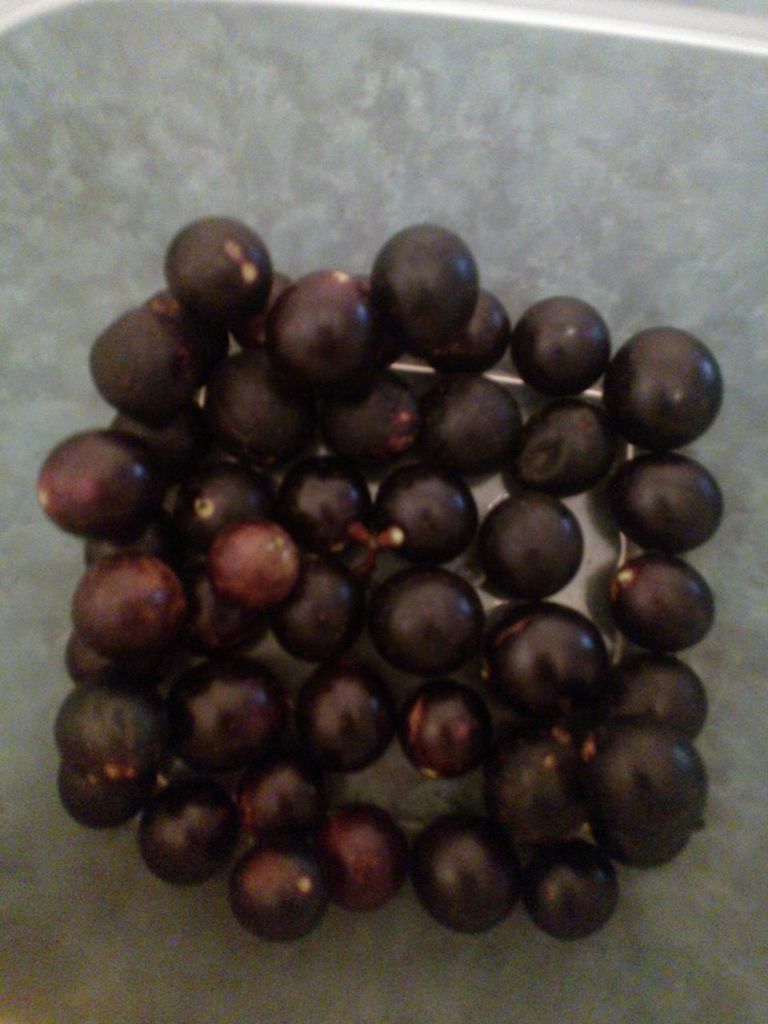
{"type": "Point", "coordinates": [204, 508]}
{"type": "Point", "coordinates": [233, 250]}
{"type": "Point", "coordinates": [249, 272]}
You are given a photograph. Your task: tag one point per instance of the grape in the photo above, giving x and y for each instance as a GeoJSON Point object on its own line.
{"type": "Point", "coordinates": [470, 424]}
{"type": "Point", "coordinates": [320, 499]}
{"type": "Point", "coordinates": [345, 717]}
{"type": "Point", "coordinates": [428, 621]}
{"type": "Point", "coordinates": [364, 855]}
{"type": "Point", "coordinates": [560, 345]}
{"type": "Point", "coordinates": [284, 796]}
{"type": "Point", "coordinates": [565, 448]}
{"type": "Point", "coordinates": [375, 428]}
{"type": "Point", "coordinates": [255, 564]}
{"type": "Point", "coordinates": [665, 502]}
{"type": "Point", "coordinates": [445, 729]}
{"type": "Point", "coordinates": [101, 483]}
{"type": "Point", "coordinates": [662, 389]}
{"type": "Point", "coordinates": [188, 831]}
{"type": "Point", "coordinates": [254, 414]}
{"type": "Point", "coordinates": [424, 285]}
{"type": "Point", "coordinates": [278, 892]}
{"type": "Point", "coordinates": [532, 787]}
{"type": "Point", "coordinates": [432, 510]}
{"type": "Point", "coordinates": [226, 713]}
{"type": "Point", "coordinates": [530, 545]}
{"type": "Point", "coordinates": [324, 613]}
{"type": "Point", "coordinates": [320, 335]}
{"type": "Point", "coordinates": [219, 269]}
{"type": "Point", "coordinates": [465, 873]}
{"type": "Point", "coordinates": [570, 889]}
{"type": "Point", "coordinates": [542, 657]}
{"type": "Point", "coordinates": [128, 605]}
{"type": "Point", "coordinates": [218, 495]}
{"type": "Point", "coordinates": [661, 602]}
{"type": "Point", "coordinates": [479, 345]}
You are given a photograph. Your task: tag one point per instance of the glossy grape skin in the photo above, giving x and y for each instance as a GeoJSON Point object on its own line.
{"type": "Point", "coordinates": [465, 872]}
{"type": "Point", "coordinates": [147, 364]}
{"type": "Point", "coordinates": [99, 801]}
{"type": "Point", "coordinates": [661, 602]}
{"type": "Point", "coordinates": [445, 729]}
{"type": "Point", "coordinates": [434, 510]}
{"type": "Point", "coordinates": [662, 389]}
{"type": "Point", "coordinates": [278, 892]}
{"type": "Point", "coordinates": [226, 713]}
{"type": "Point", "coordinates": [218, 495]}
{"type": "Point", "coordinates": [255, 564]}
{"type": "Point", "coordinates": [375, 428]}
{"type": "Point", "coordinates": [215, 624]}
{"type": "Point", "coordinates": [646, 788]}
{"type": "Point", "coordinates": [219, 269]}
{"type": "Point", "coordinates": [470, 424]}
{"type": "Point", "coordinates": [424, 286]}
{"type": "Point", "coordinates": [427, 621]}
{"type": "Point", "coordinates": [566, 447]}
{"type": "Point", "coordinates": [86, 667]}
{"type": "Point", "coordinates": [254, 414]}
{"type": "Point", "coordinates": [319, 499]}
{"type": "Point", "coordinates": [100, 483]}
{"type": "Point", "coordinates": [320, 334]}
{"type": "Point", "coordinates": [111, 732]}
{"type": "Point", "coordinates": [532, 787]}
{"type": "Point", "coordinates": [188, 831]}
{"type": "Point", "coordinates": [662, 688]}
{"type": "Point", "coordinates": [666, 503]}
{"type": "Point", "coordinates": [128, 605]}
{"type": "Point", "coordinates": [560, 345]}
{"type": "Point", "coordinates": [177, 445]}
{"type": "Point", "coordinates": [324, 614]}
{"type": "Point", "coordinates": [364, 855]}
{"type": "Point", "coordinates": [345, 717]}
{"type": "Point", "coordinates": [210, 340]}
{"type": "Point", "coordinates": [544, 657]}
{"type": "Point", "coordinates": [570, 890]}
{"type": "Point", "coordinates": [284, 796]}
{"type": "Point", "coordinates": [479, 345]}
{"type": "Point", "coordinates": [530, 545]}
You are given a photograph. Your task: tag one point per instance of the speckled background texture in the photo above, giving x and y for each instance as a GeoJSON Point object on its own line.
{"type": "Point", "coordinates": [632, 174]}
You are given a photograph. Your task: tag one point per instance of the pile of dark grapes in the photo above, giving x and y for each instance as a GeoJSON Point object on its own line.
{"type": "Point", "coordinates": [272, 468]}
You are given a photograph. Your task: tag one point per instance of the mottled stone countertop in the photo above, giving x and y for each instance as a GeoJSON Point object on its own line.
{"type": "Point", "coordinates": [630, 173]}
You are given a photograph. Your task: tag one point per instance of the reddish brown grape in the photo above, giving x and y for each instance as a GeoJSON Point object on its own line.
{"type": "Point", "coordinates": [255, 564]}
{"type": "Point", "coordinates": [128, 605]}
{"type": "Point", "coordinates": [278, 892]}
{"type": "Point", "coordinates": [445, 729]}
{"type": "Point", "coordinates": [100, 483]}
{"type": "Point", "coordinates": [364, 854]}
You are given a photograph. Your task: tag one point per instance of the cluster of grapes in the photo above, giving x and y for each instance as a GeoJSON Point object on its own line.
{"type": "Point", "coordinates": [195, 550]}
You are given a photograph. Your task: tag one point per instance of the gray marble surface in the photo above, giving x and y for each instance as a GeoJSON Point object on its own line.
{"type": "Point", "coordinates": [632, 174]}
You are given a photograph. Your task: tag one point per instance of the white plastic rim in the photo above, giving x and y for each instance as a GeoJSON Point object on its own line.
{"type": "Point", "coordinates": [631, 19]}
